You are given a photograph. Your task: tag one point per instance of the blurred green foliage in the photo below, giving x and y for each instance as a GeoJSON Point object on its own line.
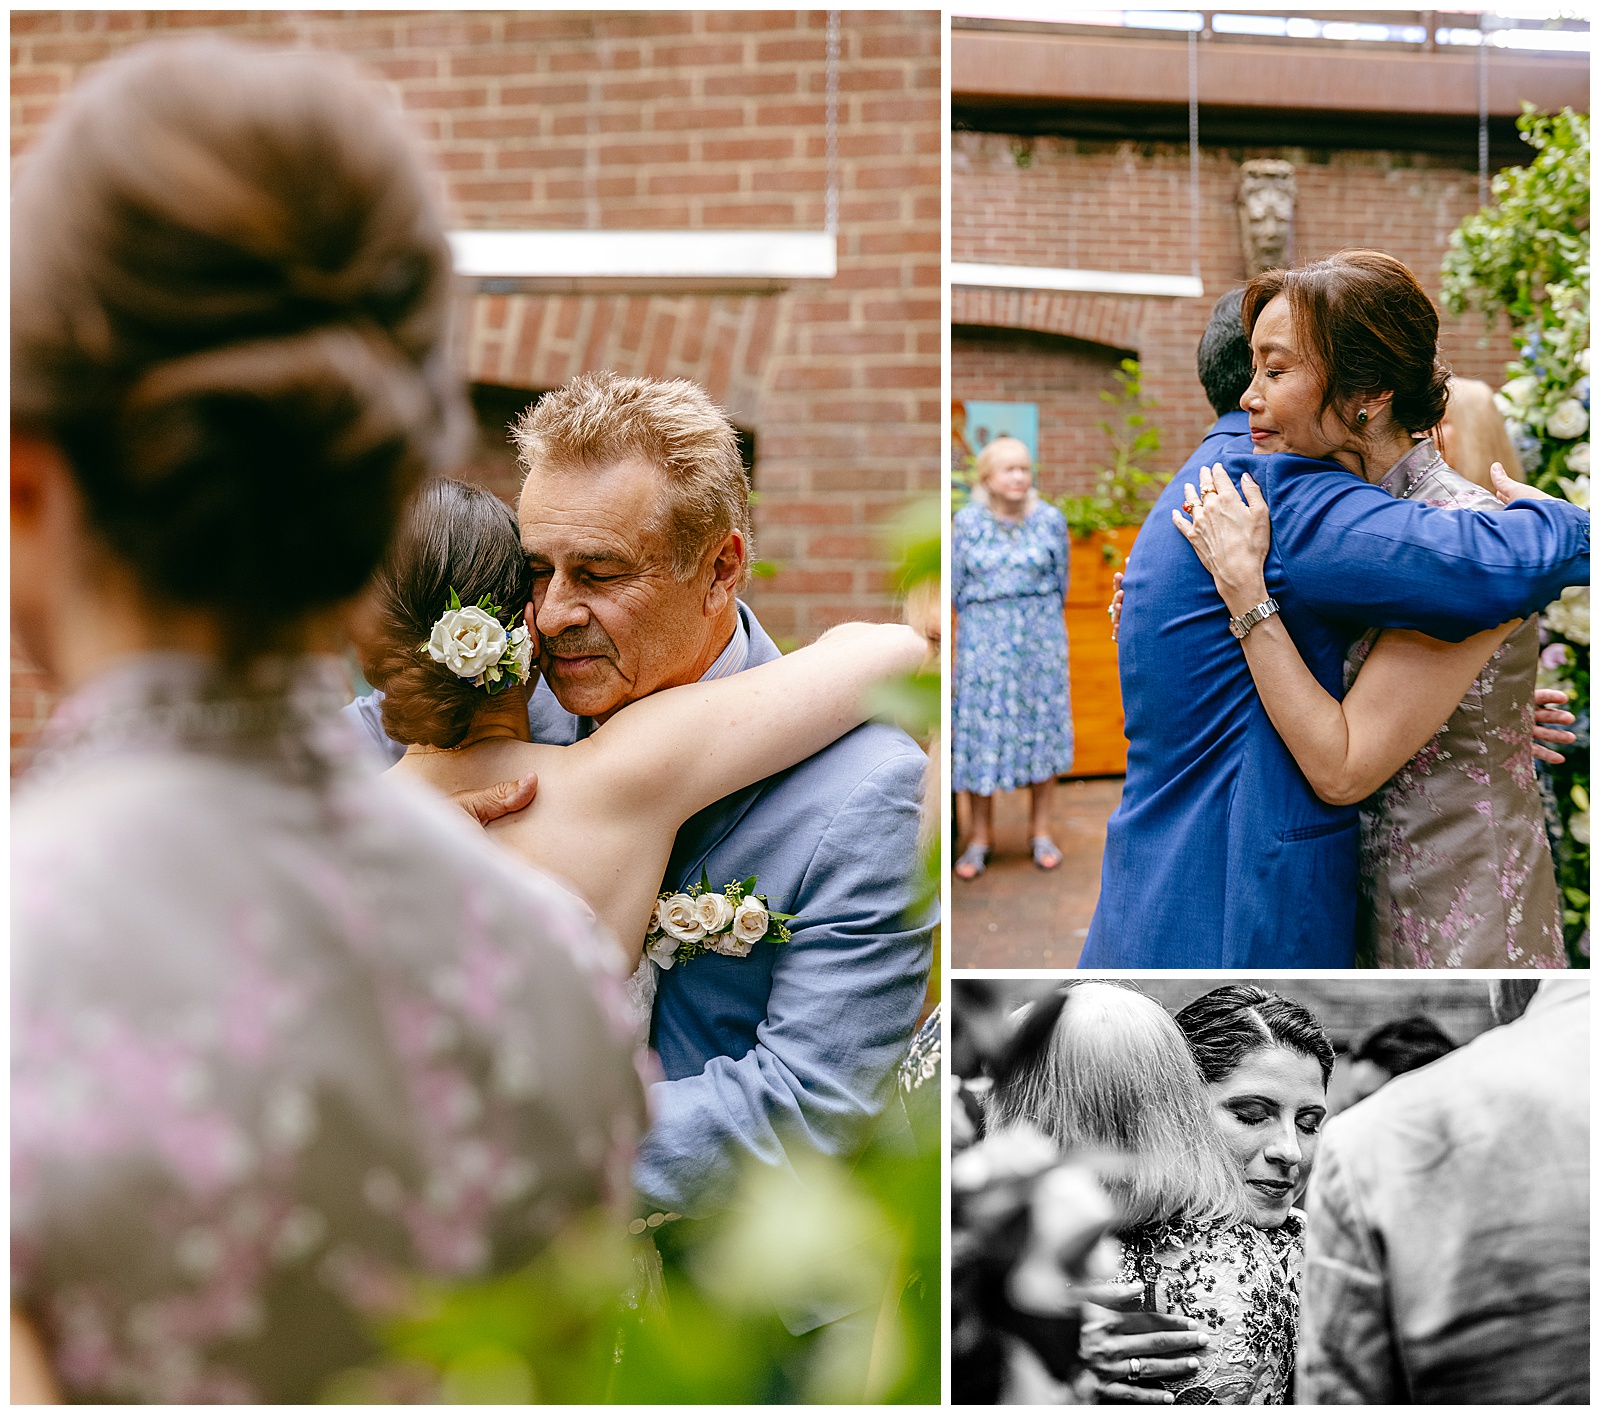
{"type": "Point", "coordinates": [602, 1317]}
{"type": "Point", "coordinates": [1527, 256]}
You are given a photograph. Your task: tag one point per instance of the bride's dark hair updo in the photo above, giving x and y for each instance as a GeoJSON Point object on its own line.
{"type": "Point", "coordinates": [1370, 328]}
{"type": "Point", "coordinates": [229, 290]}
{"type": "Point", "coordinates": [1226, 1024]}
{"type": "Point", "coordinates": [454, 537]}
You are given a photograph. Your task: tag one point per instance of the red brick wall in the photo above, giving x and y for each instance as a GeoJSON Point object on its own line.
{"type": "Point", "coordinates": [1064, 378]}
{"type": "Point", "coordinates": [671, 119]}
{"type": "Point", "coordinates": [1125, 207]}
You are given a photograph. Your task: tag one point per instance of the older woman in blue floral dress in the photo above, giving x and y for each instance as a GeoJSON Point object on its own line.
{"type": "Point", "coordinates": [1011, 718]}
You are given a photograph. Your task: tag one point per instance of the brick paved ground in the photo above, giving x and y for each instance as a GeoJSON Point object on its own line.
{"type": "Point", "coordinates": [1015, 916]}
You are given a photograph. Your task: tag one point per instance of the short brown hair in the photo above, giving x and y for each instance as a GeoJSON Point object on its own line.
{"type": "Point", "coordinates": [229, 293]}
{"type": "Point", "coordinates": [1369, 326]}
{"type": "Point", "coordinates": [602, 418]}
{"type": "Point", "coordinates": [455, 537]}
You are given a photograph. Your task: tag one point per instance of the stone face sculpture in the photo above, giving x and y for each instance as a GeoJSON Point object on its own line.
{"type": "Point", "coordinates": [1266, 213]}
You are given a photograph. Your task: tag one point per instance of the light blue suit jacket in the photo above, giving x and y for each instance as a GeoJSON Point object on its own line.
{"type": "Point", "coordinates": [796, 1043]}
{"type": "Point", "coordinates": [1220, 855]}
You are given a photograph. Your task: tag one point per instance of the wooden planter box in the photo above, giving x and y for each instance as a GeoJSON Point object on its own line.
{"type": "Point", "coordinates": [1100, 749]}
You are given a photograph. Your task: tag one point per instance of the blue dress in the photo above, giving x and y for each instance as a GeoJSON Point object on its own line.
{"type": "Point", "coordinates": [1011, 719]}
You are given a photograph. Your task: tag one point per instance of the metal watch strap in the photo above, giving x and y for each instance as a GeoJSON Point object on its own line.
{"type": "Point", "coordinates": [1240, 628]}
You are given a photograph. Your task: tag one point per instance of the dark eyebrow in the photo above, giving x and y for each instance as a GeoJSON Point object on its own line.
{"type": "Point", "coordinates": [1251, 1100]}
{"type": "Point", "coordinates": [1276, 349]}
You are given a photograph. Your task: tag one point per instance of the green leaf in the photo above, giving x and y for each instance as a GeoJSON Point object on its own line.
{"type": "Point", "coordinates": [455, 599]}
{"type": "Point", "coordinates": [748, 887]}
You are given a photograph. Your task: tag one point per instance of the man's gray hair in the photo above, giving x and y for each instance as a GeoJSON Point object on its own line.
{"type": "Point", "coordinates": [599, 419]}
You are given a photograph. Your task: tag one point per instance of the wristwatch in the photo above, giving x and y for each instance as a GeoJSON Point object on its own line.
{"type": "Point", "coordinates": [1240, 628]}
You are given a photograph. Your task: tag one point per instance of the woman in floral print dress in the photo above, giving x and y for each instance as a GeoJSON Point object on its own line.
{"type": "Point", "coordinates": [1010, 711]}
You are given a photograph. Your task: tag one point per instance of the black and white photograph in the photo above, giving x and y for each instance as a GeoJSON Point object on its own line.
{"type": "Point", "coordinates": [1260, 1191]}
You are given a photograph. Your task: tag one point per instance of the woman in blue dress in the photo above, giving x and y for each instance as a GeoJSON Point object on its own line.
{"type": "Point", "coordinates": [1011, 720]}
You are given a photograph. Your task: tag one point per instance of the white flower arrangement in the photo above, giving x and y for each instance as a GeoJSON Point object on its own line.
{"type": "Point", "coordinates": [1569, 615]}
{"type": "Point", "coordinates": [1567, 419]}
{"type": "Point", "coordinates": [473, 644]}
{"type": "Point", "coordinates": [701, 920]}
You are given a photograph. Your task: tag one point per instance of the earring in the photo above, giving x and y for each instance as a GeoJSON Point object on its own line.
{"type": "Point", "coordinates": [1361, 417]}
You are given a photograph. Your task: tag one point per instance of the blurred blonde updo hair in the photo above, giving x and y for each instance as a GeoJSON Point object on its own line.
{"type": "Point", "coordinates": [1473, 434]}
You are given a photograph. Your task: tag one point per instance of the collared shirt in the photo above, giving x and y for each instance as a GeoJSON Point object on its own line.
{"type": "Point", "coordinates": [1402, 478]}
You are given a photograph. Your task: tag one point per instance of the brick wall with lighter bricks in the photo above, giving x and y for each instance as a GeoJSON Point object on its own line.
{"type": "Point", "coordinates": [610, 119]}
{"type": "Point", "coordinates": [1126, 207]}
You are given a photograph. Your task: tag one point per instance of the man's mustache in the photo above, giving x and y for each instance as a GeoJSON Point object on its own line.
{"type": "Point", "coordinates": [580, 641]}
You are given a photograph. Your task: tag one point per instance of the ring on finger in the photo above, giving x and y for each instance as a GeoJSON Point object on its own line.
{"type": "Point", "coordinates": [1135, 1365]}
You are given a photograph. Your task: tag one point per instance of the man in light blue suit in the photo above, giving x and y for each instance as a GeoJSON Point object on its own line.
{"type": "Point", "coordinates": [1220, 855]}
{"type": "Point", "coordinates": [635, 517]}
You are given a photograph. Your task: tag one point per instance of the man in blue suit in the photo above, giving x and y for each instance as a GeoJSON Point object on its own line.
{"type": "Point", "coordinates": [1220, 855]}
{"type": "Point", "coordinates": [635, 516]}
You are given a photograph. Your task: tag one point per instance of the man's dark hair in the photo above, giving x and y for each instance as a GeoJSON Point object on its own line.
{"type": "Point", "coordinates": [1223, 358]}
{"type": "Point", "coordinates": [1404, 1044]}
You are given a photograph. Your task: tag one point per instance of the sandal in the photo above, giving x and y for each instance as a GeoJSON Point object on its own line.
{"type": "Point", "coordinates": [1046, 854]}
{"type": "Point", "coordinates": [972, 862]}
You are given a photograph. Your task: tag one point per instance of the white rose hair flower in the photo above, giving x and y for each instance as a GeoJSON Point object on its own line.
{"type": "Point", "coordinates": [473, 644]}
{"type": "Point", "coordinates": [701, 920]}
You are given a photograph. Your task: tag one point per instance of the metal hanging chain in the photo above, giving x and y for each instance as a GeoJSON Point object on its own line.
{"type": "Point", "coordinates": [1483, 110]}
{"type": "Point", "coordinates": [1194, 151]}
{"type": "Point", "coordinates": [833, 124]}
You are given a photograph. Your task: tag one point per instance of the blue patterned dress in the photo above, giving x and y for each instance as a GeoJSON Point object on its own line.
{"type": "Point", "coordinates": [1011, 719]}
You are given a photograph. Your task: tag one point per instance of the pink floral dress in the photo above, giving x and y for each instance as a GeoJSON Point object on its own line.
{"type": "Point", "coordinates": [1455, 864]}
{"type": "Point", "coordinates": [285, 1035]}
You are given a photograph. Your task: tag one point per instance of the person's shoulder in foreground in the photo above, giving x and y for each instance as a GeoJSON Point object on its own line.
{"type": "Point", "coordinates": [1447, 1257]}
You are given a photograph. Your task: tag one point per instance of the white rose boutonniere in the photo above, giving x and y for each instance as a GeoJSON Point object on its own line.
{"type": "Point", "coordinates": [700, 920]}
{"type": "Point", "coordinates": [714, 911]}
{"type": "Point", "coordinates": [472, 643]}
{"type": "Point", "coordinates": [678, 918]}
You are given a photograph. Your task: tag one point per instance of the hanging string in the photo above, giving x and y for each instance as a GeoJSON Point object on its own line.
{"type": "Point", "coordinates": [833, 123]}
{"type": "Point", "coordinates": [1483, 110]}
{"type": "Point", "coordinates": [1194, 152]}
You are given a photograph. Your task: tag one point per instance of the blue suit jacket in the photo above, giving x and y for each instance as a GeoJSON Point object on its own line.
{"type": "Point", "coordinates": [798, 1041]}
{"type": "Point", "coordinates": [1220, 855]}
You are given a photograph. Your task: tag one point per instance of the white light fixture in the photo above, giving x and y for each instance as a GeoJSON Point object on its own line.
{"type": "Point", "coordinates": [1092, 282]}
{"type": "Point", "coordinates": [652, 262]}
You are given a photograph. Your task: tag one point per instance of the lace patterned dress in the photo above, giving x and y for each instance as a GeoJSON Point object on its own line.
{"type": "Point", "coordinates": [1455, 863]}
{"type": "Point", "coordinates": [286, 1035]}
{"type": "Point", "coordinates": [1242, 1284]}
